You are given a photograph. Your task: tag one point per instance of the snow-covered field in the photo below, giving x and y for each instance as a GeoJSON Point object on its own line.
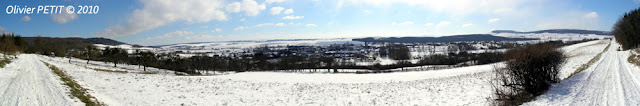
{"type": "Point", "coordinates": [457, 86]}
{"type": "Point", "coordinates": [248, 44]}
{"type": "Point", "coordinates": [226, 47]}
{"type": "Point", "coordinates": [609, 81]}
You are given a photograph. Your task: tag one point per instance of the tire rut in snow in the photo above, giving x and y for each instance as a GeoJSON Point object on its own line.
{"type": "Point", "coordinates": [32, 84]}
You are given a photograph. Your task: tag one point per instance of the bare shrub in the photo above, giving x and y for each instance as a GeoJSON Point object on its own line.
{"type": "Point", "coordinates": [635, 57]}
{"type": "Point", "coordinates": [529, 72]}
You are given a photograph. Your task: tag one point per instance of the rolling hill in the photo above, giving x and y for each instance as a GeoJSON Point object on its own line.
{"type": "Point", "coordinates": [454, 38]}
{"type": "Point", "coordinates": [561, 31]}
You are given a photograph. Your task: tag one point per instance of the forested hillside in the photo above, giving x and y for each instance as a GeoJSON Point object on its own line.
{"type": "Point", "coordinates": [11, 43]}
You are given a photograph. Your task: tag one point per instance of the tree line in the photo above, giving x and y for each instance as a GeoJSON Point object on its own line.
{"type": "Point", "coordinates": [11, 43]}
{"type": "Point", "coordinates": [627, 30]}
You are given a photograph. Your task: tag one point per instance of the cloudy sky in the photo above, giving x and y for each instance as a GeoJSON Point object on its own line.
{"type": "Point", "coordinates": [156, 22]}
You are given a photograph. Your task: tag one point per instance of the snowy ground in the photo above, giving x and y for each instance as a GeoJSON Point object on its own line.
{"type": "Point", "coordinates": [609, 81]}
{"type": "Point", "coordinates": [28, 82]}
{"type": "Point", "coordinates": [444, 87]}
{"type": "Point", "coordinates": [457, 86]}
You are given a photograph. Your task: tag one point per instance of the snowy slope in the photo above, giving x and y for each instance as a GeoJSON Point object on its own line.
{"type": "Point", "coordinates": [552, 36]}
{"type": "Point", "coordinates": [355, 78]}
{"type": "Point", "coordinates": [609, 81]}
{"type": "Point", "coordinates": [462, 86]}
{"type": "Point", "coordinates": [458, 86]}
{"type": "Point", "coordinates": [579, 54]}
{"type": "Point", "coordinates": [28, 82]}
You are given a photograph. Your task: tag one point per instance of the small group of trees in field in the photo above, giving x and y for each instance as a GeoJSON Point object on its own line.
{"type": "Point", "coordinates": [397, 51]}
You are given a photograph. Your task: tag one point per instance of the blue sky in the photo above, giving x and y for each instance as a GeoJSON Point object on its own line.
{"type": "Point", "coordinates": [156, 22]}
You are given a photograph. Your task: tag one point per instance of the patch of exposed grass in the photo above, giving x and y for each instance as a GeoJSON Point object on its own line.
{"type": "Point", "coordinates": [593, 60]}
{"type": "Point", "coordinates": [116, 71]}
{"type": "Point", "coordinates": [4, 61]}
{"type": "Point", "coordinates": [182, 74]}
{"type": "Point", "coordinates": [635, 57]}
{"type": "Point", "coordinates": [76, 90]}
{"type": "Point", "coordinates": [147, 72]}
{"type": "Point", "coordinates": [105, 70]}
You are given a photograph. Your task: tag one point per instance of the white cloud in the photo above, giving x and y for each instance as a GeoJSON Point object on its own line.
{"type": "Point", "coordinates": [465, 25]}
{"type": "Point", "coordinates": [63, 17]}
{"type": "Point", "coordinates": [155, 14]}
{"type": "Point", "coordinates": [571, 20]}
{"type": "Point", "coordinates": [264, 24]}
{"type": "Point", "coordinates": [200, 37]}
{"type": "Point", "coordinates": [269, 24]}
{"type": "Point", "coordinates": [217, 30]}
{"type": "Point", "coordinates": [26, 18]}
{"type": "Point", "coordinates": [452, 7]}
{"type": "Point", "coordinates": [234, 7]}
{"type": "Point", "coordinates": [2, 29]}
{"type": "Point", "coordinates": [172, 34]}
{"type": "Point", "coordinates": [288, 11]}
{"type": "Point", "coordinates": [504, 11]}
{"type": "Point", "coordinates": [428, 24]}
{"type": "Point", "coordinates": [443, 24]}
{"type": "Point", "coordinates": [403, 23]}
{"type": "Point", "coordinates": [243, 19]}
{"type": "Point", "coordinates": [636, 1]}
{"type": "Point", "coordinates": [276, 10]}
{"type": "Point", "coordinates": [367, 11]}
{"type": "Point", "coordinates": [185, 28]}
{"type": "Point", "coordinates": [273, 1]}
{"type": "Point", "coordinates": [406, 23]}
{"type": "Point", "coordinates": [591, 15]}
{"type": "Point", "coordinates": [204, 27]}
{"type": "Point", "coordinates": [311, 25]}
{"type": "Point", "coordinates": [527, 13]}
{"type": "Point", "coordinates": [240, 28]}
{"type": "Point", "coordinates": [250, 7]}
{"type": "Point", "coordinates": [494, 20]}
{"type": "Point", "coordinates": [291, 17]}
